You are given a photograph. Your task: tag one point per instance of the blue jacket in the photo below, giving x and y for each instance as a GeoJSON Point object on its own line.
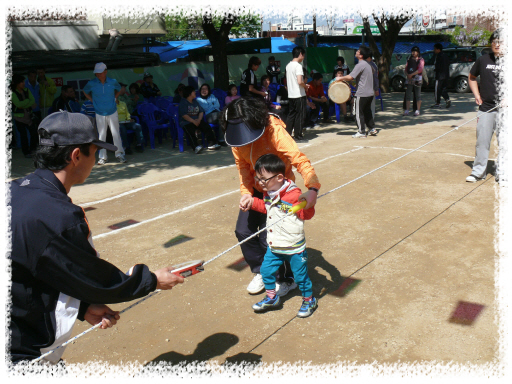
{"type": "Point", "coordinates": [103, 95]}
{"type": "Point", "coordinates": [209, 105]}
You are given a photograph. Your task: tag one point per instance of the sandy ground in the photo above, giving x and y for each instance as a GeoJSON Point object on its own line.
{"type": "Point", "coordinates": [391, 256]}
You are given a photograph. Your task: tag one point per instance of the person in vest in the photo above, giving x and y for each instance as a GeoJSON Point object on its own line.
{"type": "Point", "coordinates": [414, 79]}
{"type": "Point", "coordinates": [47, 89]}
{"type": "Point", "coordinates": [442, 69]}
{"type": "Point", "coordinates": [22, 104]}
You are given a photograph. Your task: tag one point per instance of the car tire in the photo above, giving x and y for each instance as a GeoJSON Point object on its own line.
{"type": "Point", "coordinates": [398, 83]}
{"type": "Point", "coordinates": [461, 84]}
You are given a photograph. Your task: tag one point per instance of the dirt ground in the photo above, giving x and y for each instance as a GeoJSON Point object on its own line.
{"type": "Point", "coordinates": [392, 256]}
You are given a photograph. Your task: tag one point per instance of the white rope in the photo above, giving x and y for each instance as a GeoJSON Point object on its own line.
{"type": "Point", "coordinates": [261, 230]}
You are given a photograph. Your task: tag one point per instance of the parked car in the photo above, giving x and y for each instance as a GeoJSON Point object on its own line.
{"type": "Point", "coordinates": [461, 60]}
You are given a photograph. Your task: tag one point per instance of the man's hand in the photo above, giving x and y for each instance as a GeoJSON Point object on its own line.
{"type": "Point", "coordinates": [246, 202]}
{"type": "Point", "coordinates": [310, 197]}
{"type": "Point", "coordinates": [323, 99]}
{"type": "Point", "coordinates": [311, 105]}
{"type": "Point", "coordinates": [166, 280]}
{"type": "Point", "coordinates": [478, 99]}
{"type": "Point", "coordinates": [277, 106]}
{"type": "Point", "coordinates": [99, 313]}
{"type": "Point", "coordinates": [376, 93]}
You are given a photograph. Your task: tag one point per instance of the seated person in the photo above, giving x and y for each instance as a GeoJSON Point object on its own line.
{"type": "Point", "coordinates": [178, 93]}
{"type": "Point", "coordinates": [126, 122]}
{"type": "Point", "coordinates": [135, 98]}
{"type": "Point", "coordinates": [341, 65]}
{"type": "Point", "coordinates": [66, 101]}
{"type": "Point", "coordinates": [209, 103]}
{"type": "Point", "coordinates": [232, 94]}
{"type": "Point", "coordinates": [282, 98]}
{"type": "Point", "coordinates": [148, 88]}
{"type": "Point", "coordinates": [343, 106]}
{"type": "Point", "coordinates": [317, 96]}
{"type": "Point", "coordinates": [191, 118]}
{"type": "Point", "coordinates": [265, 82]}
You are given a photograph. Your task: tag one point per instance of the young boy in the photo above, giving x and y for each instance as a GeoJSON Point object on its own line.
{"type": "Point", "coordinates": [286, 240]}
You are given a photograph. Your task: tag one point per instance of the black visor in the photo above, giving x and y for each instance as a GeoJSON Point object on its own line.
{"type": "Point", "coordinates": [239, 133]}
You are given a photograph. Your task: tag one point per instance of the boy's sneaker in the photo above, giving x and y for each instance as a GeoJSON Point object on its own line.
{"type": "Point", "coordinates": [358, 135]}
{"type": "Point", "coordinates": [448, 103]}
{"type": "Point", "coordinates": [436, 106]}
{"type": "Point", "coordinates": [198, 149]}
{"type": "Point", "coordinates": [102, 161]}
{"type": "Point", "coordinates": [267, 303]}
{"type": "Point", "coordinates": [473, 179]}
{"type": "Point", "coordinates": [121, 159]}
{"type": "Point", "coordinates": [416, 113]}
{"type": "Point", "coordinates": [256, 285]}
{"type": "Point", "coordinates": [307, 308]}
{"type": "Point", "coordinates": [213, 147]}
{"type": "Point", "coordinates": [373, 132]}
{"type": "Point", "coordinates": [406, 112]}
{"type": "Point", "coordinates": [283, 288]}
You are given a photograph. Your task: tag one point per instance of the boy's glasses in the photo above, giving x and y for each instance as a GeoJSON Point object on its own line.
{"type": "Point", "coordinates": [264, 180]}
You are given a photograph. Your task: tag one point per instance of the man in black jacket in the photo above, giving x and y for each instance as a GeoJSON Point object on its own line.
{"type": "Point", "coordinates": [57, 275]}
{"type": "Point", "coordinates": [442, 69]}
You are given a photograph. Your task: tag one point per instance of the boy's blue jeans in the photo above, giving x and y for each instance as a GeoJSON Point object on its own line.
{"type": "Point", "coordinates": [299, 265]}
{"type": "Point", "coordinates": [139, 138]}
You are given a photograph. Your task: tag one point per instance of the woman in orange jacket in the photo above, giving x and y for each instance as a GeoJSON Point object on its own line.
{"type": "Point", "coordinates": [252, 132]}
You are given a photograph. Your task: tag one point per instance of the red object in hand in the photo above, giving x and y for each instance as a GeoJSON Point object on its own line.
{"type": "Point", "coordinates": [189, 268]}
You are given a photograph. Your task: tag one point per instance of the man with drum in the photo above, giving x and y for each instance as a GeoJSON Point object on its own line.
{"type": "Point", "coordinates": [362, 108]}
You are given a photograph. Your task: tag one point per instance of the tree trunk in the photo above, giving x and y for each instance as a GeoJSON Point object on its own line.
{"type": "Point", "coordinates": [388, 42]}
{"type": "Point", "coordinates": [218, 40]}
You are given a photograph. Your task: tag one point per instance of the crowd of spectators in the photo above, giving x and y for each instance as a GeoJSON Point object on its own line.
{"type": "Point", "coordinates": [35, 97]}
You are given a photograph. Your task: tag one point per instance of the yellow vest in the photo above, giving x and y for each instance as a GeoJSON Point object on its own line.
{"type": "Point", "coordinates": [122, 111]}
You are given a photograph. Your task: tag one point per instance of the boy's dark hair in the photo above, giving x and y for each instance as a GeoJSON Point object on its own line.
{"type": "Point", "coordinates": [252, 110]}
{"type": "Point", "coordinates": [64, 88]}
{"type": "Point", "coordinates": [438, 46]}
{"type": "Point", "coordinates": [342, 59]}
{"type": "Point", "coordinates": [271, 58]}
{"type": "Point", "coordinates": [178, 88]}
{"type": "Point", "coordinates": [230, 87]}
{"type": "Point", "coordinates": [297, 51]}
{"type": "Point", "coordinates": [253, 61]}
{"type": "Point", "coordinates": [134, 86]}
{"type": "Point", "coordinates": [16, 79]}
{"type": "Point", "coordinates": [317, 76]}
{"type": "Point", "coordinates": [57, 157]}
{"type": "Point", "coordinates": [32, 71]}
{"type": "Point", "coordinates": [270, 163]}
{"type": "Point", "coordinates": [494, 36]}
{"type": "Point", "coordinates": [187, 91]}
{"type": "Point", "coordinates": [263, 78]}
{"type": "Point", "coordinates": [365, 52]}
{"type": "Point", "coordinates": [336, 71]}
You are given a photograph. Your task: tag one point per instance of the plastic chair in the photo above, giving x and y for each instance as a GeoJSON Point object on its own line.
{"type": "Point", "coordinates": [153, 118]}
{"type": "Point", "coordinates": [163, 103]}
{"type": "Point", "coordinates": [220, 95]}
{"type": "Point", "coordinates": [173, 113]}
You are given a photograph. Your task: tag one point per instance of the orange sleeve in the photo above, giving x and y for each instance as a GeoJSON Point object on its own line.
{"type": "Point", "coordinates": [284, 144]}
{"type": "Point", "coordinates": [244, 172]}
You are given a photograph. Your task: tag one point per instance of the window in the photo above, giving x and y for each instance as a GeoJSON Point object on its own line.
{"type": "Point", "coordinates": [466, 56]}
{"type": "Point", "coordinates": [429, 58]}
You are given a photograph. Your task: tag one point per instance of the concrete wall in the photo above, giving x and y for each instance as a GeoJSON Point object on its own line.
{"type": "Point", "coordinates": [54, 35]}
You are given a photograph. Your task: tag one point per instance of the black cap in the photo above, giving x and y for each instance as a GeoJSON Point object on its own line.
{"type": "Point", "coordinates": [415, 48]}
{"type": "Point", "coordinates": [67, 128]}
{"type": "Point", "coordinates": [123, 84]}
{"type": "Point", "coordinates": [239, 133]}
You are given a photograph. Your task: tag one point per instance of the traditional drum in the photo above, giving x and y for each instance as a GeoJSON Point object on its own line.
{"type": "Point", "coordinates": [339, 91]}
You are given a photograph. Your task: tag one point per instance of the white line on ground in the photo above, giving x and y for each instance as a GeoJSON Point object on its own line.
{"type": "Point", "coordinates": [153, 185]}
{"type": "Point", "coordinates": [185, 208]}
{"type": "Point", "coordinates": [410, 149]}
{"type": "Point", "coordinates": [165, 215]}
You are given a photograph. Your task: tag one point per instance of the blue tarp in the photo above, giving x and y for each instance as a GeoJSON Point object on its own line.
{"type": "Point", "coordinates": [172, 50]}
{"type": "Point", "coordinates": [400, 47]}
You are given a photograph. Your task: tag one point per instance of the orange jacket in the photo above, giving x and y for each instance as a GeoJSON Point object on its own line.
{"type": "Point", "coordinates": [274, 140]}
